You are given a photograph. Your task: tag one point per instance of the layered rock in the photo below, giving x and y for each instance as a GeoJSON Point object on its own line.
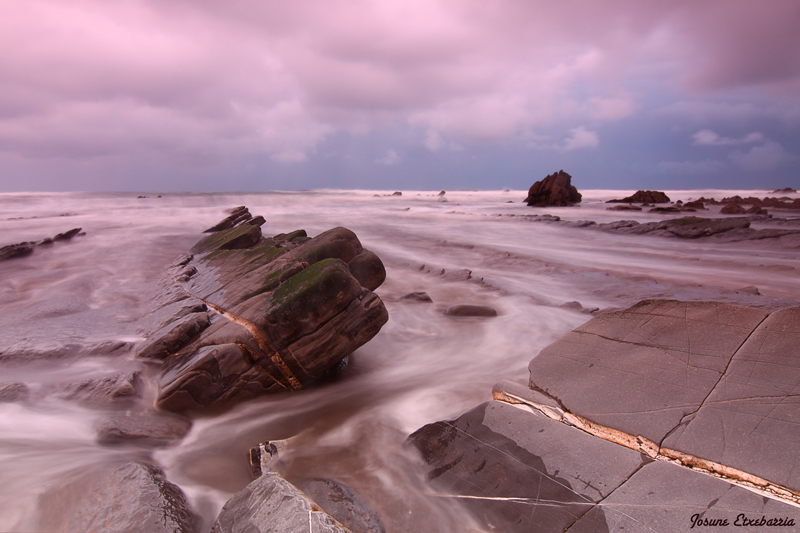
{"type": "Point", "coordinates": [554, 190]}
{"type": "Point", "coordinates": [284, 310]}
{"type": "Point", "coordinates": [643, 197]}
{"type": "Point", "coordinates": [621, 414]}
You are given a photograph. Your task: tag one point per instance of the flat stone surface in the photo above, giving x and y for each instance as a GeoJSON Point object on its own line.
{"type": "Point", "coordinates": [518, 471]}
{"type": "Point", "coordinates": [751, 421]}
{"type": "Point", "coordinates": [643, 369]}
{"type": "Point", "coordinates": [343, 504]}
{"type": "Point", "coordinates": [663, 497]}
{"type": "Point", "coordinates": [270, 504]}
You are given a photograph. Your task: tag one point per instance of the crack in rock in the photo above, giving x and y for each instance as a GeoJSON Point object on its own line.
{"type": "Point", "coordinates": [651, 449]}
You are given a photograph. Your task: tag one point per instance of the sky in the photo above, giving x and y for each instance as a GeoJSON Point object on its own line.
{"type": "Point", "coordinates": [252, 95]}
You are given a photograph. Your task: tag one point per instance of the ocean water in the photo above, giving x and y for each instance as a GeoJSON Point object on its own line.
{"type": "Point", "coordinates": [420, 368]}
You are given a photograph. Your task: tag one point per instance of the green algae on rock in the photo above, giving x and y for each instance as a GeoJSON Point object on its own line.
{"type": "Point", "coordinates": [282, 311]}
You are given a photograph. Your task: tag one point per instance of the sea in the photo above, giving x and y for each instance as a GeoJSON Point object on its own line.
{"type": "Point", "coordinates": [479, 247]}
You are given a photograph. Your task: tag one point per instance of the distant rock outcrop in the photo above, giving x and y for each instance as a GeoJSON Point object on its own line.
{"type": "Point", "coordinates": [643, 197]}
{"type": "Point", "coordinates": [554, 190]}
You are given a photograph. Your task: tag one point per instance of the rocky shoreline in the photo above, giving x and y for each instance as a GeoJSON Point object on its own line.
{"type": "Point", "coordinates": [619, 426]}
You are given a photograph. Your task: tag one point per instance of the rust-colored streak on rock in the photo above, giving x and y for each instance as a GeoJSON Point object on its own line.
{"type": "Point", "coordinates": [262, 343]}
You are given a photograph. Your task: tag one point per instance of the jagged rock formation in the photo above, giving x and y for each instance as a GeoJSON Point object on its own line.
{"type": "Point", "coordinates": [621, 412]}
{"type": "Point", "coordinates": [643, 197]}
{"type": "Point", "coordinates": [283, 310]}
{"type": "Point", "coordinates": [554, 190]}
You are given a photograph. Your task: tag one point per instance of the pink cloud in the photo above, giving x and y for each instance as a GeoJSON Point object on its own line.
{"type": "Point", "coordinates": [90, 78]}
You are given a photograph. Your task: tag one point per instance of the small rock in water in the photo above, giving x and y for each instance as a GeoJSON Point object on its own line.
{"type": "Point", "coordinates": [456, 275]}
{"type": "Point", "coordinates": [470, 310]}
{"type": "Point", "coordinates": [13, 392]}
{"type": "Point", "coordinates": [418, 296]}
{"type": "Point", "coordinates": [442, 193]}
{"type": "Point", "coordinates": [749, 290]}
{"type": "Point", "coordinates": [153, 428]}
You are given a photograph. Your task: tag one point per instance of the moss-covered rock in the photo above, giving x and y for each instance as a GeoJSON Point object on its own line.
{"type": "Point", "coordinates": [288, 308]}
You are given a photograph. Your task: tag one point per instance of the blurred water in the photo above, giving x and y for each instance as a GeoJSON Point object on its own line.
{"type": "Point", "coordinates": [422, 366]}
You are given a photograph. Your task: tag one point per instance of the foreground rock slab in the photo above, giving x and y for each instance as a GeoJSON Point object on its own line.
{"type": "Point", "coordinates": [643, 369]}
{"type": "Point", "coordinates": [116, 498]}
{"type": "Point", "coordinates": [516, 471]}
{"type": "Point", "coordinates": [666, 497]}
{"type": "Point", "coordinates": [751, 419]}
{"type": "Point", "coordinates": [702, 394]}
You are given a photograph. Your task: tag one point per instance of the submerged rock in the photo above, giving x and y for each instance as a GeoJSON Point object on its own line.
{"type": "Point", "coordinates": [116, 498]}
{"type": "Point", "coordinates": [554, 190]}
{"type": "Point", "coordinates": [287, 309]}
{"type": "Point", "coordinates": [470, 310]}
{"type": "Point", "coordinates": [624, 208]}
{"type": "Point", "coordinates": [417, 296]}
